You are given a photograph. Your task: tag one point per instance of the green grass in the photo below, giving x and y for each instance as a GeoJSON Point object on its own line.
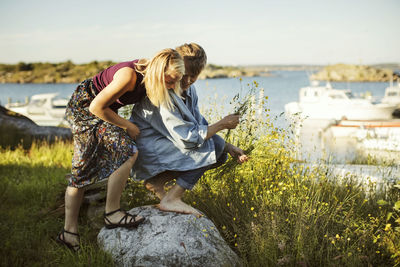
{"type": "Point", "coordinates": [270, 211]}
{"type": "Point", "coordinates": [275, 212]}
{"type": "Point", "coordinates": [31, 189]}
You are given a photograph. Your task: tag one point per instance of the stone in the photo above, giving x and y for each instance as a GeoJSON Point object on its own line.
{"type": "Point", "coordinates": [168, 239]}
{"type": "Point", "coordinates": [17, 129]}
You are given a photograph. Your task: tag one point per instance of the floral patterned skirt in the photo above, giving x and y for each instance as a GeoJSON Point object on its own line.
{"type": "Point", "coordinates": [100, 147]}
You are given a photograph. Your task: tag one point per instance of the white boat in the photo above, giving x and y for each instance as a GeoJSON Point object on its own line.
{"type": "Point", "coordinates": [43, 109]}
{"type": "Point", "coordinates": [324, 102]}
{"type": "Point", "coordinates": [348, 128]}
{"type": "Point", "coordinates": [377, 135]}
{"type": "Point", "coordinates": [392, 95]}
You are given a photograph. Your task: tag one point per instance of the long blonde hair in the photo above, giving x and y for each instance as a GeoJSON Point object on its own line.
{"type": "Point", "coordinates": [166, 62]}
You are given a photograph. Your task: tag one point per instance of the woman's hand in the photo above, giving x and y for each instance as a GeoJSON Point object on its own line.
{"type": "Point", "coordinates": [230, 121]}
{"type": "Point", "coordinates": [236, 152]}
{"type": "Point", "coordinates": [133, 131]}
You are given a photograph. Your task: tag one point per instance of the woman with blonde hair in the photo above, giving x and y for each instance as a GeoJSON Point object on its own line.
{"type": "Point", "coordinates": [104, 145]}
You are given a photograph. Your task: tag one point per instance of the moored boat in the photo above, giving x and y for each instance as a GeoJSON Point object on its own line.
{"type": "Point", "coordinates": [377, 135]}
{"type": "Point", "coordinates": [43, 109]}
{"type": "Point", "coordinates": [392, 95]}
{"type": "Point", "coordinates": [324, 102]}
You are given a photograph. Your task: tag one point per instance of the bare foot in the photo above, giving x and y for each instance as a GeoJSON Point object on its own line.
{"type": "Point", "coordinates": [177, 205]}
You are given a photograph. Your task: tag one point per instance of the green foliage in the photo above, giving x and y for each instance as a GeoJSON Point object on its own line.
{"type": "Point", "coordinates": [31, 196]}
{"type": "Point", "coordinates": [64, 72]}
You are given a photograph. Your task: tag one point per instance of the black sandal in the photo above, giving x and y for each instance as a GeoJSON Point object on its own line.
{"type": "Point", "coordinates": [74, 248]}
{"type": "Point", "coordinates": [132, 223]}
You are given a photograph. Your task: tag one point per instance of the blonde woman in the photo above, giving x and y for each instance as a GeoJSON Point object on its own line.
{"type": "Point", "coordinates": [104, 145]}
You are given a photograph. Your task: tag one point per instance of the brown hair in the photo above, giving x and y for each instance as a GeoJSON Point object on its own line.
{"type": "Point", "coordinates": [194, 56]}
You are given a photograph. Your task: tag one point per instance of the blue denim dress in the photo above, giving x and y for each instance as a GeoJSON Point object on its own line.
{"type": "Point", "coordinates": [171, 139]}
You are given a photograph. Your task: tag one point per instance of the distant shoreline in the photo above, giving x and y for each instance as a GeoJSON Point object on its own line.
{"type": "Point", "coordinates": [355, 73]}
{"type": "Point", "coordinates": [68, 72]}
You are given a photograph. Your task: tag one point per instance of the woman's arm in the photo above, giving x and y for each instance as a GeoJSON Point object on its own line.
{"type": "Point", "coordinates": [123, 81]}
{"type": "Point", "coordinates": [228, 122]}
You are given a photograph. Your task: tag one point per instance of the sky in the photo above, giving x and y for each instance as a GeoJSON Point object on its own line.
{"type": "Point", "coordinates": [231, 32]}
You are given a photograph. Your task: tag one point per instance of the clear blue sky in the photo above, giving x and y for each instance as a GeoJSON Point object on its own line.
{"type": "Point", "coordinates": [231, 32]}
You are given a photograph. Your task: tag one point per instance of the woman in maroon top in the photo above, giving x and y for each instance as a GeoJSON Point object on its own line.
{"type": "Point", "coordinates": [104, 145]}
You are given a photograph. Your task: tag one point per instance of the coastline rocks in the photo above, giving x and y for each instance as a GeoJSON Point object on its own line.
{"type": "Point", "coordinates": [168, 239]}
{"type": "Point", "coordinates": [17, 129]}
{"type": "Point", "coordinates": [212, 71]}
{"type": "Point", "coordinates": [354, 73]}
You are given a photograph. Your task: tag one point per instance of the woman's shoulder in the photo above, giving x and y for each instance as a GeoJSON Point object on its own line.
{"type": "Point", "coordinates": [126, 75]}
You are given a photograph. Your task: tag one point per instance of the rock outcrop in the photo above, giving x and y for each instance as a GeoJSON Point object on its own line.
{"type": "Point", "coordinates": [354, 73]}
{"type": "Point", "coordinates": [17, 129]}
{"type": "Point", "coordinates": [212, 71]}
{"type": "Point", "coordinates": [168, 239]}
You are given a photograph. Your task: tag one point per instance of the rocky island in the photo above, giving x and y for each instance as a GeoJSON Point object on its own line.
{"type": "Point", "coordinates": [355, 73]}
{"type": "Point", "coordinates": [215, 71]}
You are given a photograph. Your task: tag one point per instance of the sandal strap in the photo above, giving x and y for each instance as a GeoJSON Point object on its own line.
{"type": "Point", "coordinates": [133, 217]}
{"type": "Point", "coordinates": [111, 212]}
{"type": "Point", "coordinates": [125, 218]}
{"type": "Point", "coordinates": [68, 232]}
{"type": "Point", "coordinates": [76, 247]}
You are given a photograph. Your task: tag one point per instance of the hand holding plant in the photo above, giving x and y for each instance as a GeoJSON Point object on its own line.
{"type": "Point", "coordinates": [236, 153]}
{"type": "Point", "coordinates": [230, 121]}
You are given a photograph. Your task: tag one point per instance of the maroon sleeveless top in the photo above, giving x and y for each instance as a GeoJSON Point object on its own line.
{"type": "Point", "coordinates": [105, 77]}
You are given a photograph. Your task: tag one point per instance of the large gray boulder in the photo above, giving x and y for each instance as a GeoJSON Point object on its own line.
{"type": "Point", "coordinates": [168, 239]}
{"type": "Point", "coordinates": [17, 129]}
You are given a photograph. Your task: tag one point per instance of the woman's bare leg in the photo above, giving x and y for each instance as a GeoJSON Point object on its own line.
{"type": "Point", "coordinates": [116, 184]}
{"type": "Point", "coordinates": [157, 183]}
{"type": "Point", "coordinates": [172, 201]}
{"type": "Point", "coordinates": [73, 201]}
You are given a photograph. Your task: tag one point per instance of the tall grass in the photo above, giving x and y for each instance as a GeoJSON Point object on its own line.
{"type": "Point", "coordinates": [272, 210]}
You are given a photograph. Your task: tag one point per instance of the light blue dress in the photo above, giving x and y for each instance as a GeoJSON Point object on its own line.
{"type": "Point", "coordinates": [171, 139]}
